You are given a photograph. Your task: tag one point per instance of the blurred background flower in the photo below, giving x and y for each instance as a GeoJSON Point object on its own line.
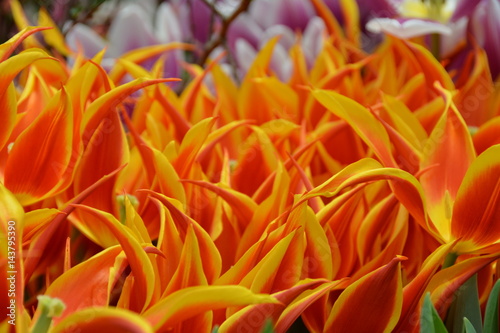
{"type": "Point", "coordinates": [455, 21]}
{"type": "Point", "coordinates": [242, 27]}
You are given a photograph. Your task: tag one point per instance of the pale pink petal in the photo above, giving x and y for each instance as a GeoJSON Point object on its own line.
{"type": "Point", "coordinates": [464, 8]}
{"type": "Point", "coordinates": [82, 37]}
{"type": "Point", "coordinates": [449, 43]}
{"type": "Point", "coordinates": [265, 12]}
{"type": "Point", "coordinates": [246, 28]}
{"type": "Point", "coordinates": [200, 18]}
{"type": "Point", "coordinates": [227, 7]}
{"type": "Point", "coordinates": [312, 39]}
{"type": "Point", "coordinates": [287, 37]}
{"type": "Point", "coordinates": [149, 6]}
{"type": "Point", "coordinates": [104, 12]}
{"type": "Point", "coordinates": [486, 28]}
{"type": "Point", "coordinates": [281, 63]}
{"type": "Point", "coordinates": [245, 54]}
{"type": "Point", "coordinates": [167, 27]}
{"type": "Point", "coordinates": [408, 28]}
{"type": "Point", "coordinates": [130, 29]}
{"type": "Point", "coordinates": [295, 13]}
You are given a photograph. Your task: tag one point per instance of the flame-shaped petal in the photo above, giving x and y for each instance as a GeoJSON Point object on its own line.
{"type": "Point", "coordinates": [139, 261]}
{"type": "Point", "coordinates": [40, 163]}
{"type": "Point", "coordinates": [382, 287]}
{"type": "Point", "coordinates": [475, 212]}
{"type": "Point", "coordinates": [447, 154]}
{"type": "Point", "coordinates": [87, 284]}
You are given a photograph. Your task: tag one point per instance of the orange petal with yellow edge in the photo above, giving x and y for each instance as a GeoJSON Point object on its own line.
{"type": "Point", "coordinates": [39, 243]}
{"type": "Point", "coordinates": [102, 106]}
{"type": "Point", "coordinates": [9, 68]}
{"type": "Point", "coordinates": [189, 272]}
{"type": "Point", "coordinates": [361, 120]}
{"type": "Point", "coordinates": [191, 145]}
{"type": "Point", "coordinates": [8, 112]}
{"type": "Point", "coordinates": [487, 135]}
{"type": "Point", "coordinates": [41, 161]}
{"type": "Point", "coordinates": [475, 212]}
{"type": "Point", "coordinates": [210, 256]}
{"type": "Point", "coordinates": [139, 261]}
{"type": "Point", "coordinates": [413, 291]}
{"type": "Point", "coordinates": [444, 283]}
{"type": "Point", "coordinates": [406, 188]}
{"type": "Point", "coordinates": [447, 155]}
{"type": "Point", "coordinates": [106, 151]}
{"type": "Point", "coordinates": [191, 301]}
{"type": "Point", "coordinates": [302, 302]}
{"type": "Point", "coordinates": [378, 296]}
{"type": "Point", "coordinates": [86, 284]}
{"type": "Point", "coordinates": [7, 48]}
{"type": "Point", "coordinates": [254, 317]}
{"type": "Point", "coordinates": [242, 206]}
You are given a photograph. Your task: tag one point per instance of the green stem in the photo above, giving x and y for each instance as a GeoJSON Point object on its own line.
{"type": "Point", "coordinates": [42, 325]}
{"type": "Point", "coordinates": [450, 260]}
{"type": "Point", "coordinates": [435, 13]}
{"type": "Point", "coordinates": [49, 307]}
{"type": "Point", "coordinates": [436, 46]}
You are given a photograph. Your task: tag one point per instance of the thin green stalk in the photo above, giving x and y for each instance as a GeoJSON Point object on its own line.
{"type": "Point", "coordinates": [450, 260]}
{"type": "Point", "coordinates": [436, 46]}
{"type": "Point", "coordinates": [49, 308]}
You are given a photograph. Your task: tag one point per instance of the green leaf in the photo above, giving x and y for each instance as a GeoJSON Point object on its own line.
{"type": "Point", "coordinates": [491, 313]}
{"type": "Point", "coordinates": [215, 329]}
{"type": "Point", "coordinates": [465, 305]}
{"type": "Point", "coordinates": [430, 322]}
{"type": "Point", "coordinates": [468, 328]}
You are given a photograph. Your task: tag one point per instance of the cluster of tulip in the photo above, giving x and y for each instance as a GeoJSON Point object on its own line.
{"type": "Point", "coordinates": [357, 193]}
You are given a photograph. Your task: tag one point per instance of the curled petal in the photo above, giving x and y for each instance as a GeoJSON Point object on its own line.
{"type": "Point", "coordinates": [101, 319]}
{"type": "Point", "coordinates": [188, 302]}
{"type": "Point", "coordinates": [361, 120]}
